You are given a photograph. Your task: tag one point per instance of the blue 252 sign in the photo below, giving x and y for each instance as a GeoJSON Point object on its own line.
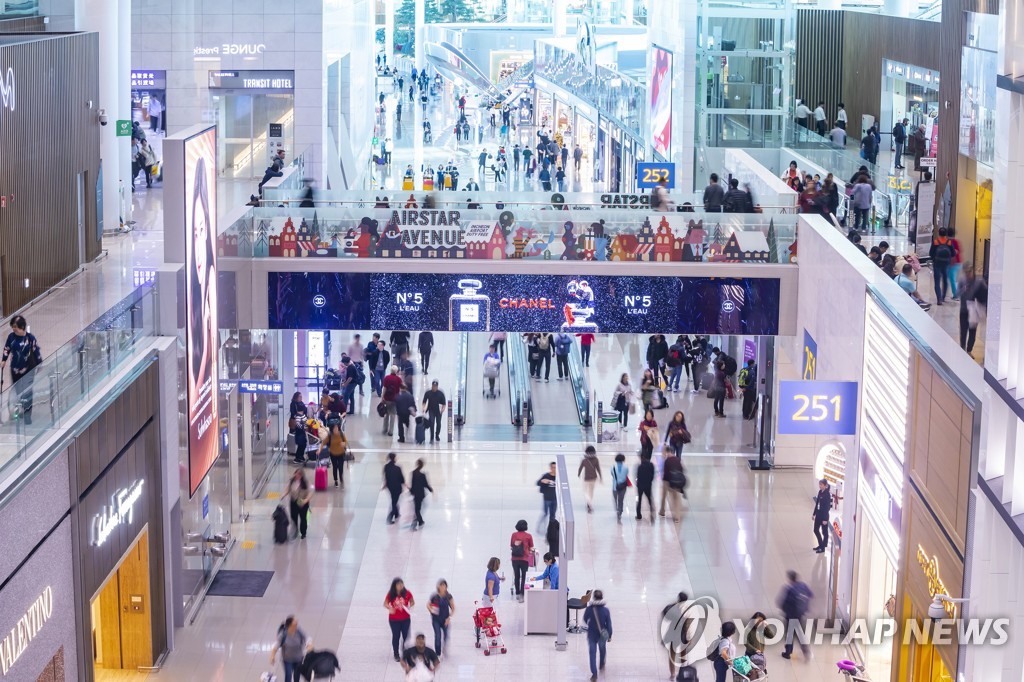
{"type": "Point", "coordinates": [817, 408]}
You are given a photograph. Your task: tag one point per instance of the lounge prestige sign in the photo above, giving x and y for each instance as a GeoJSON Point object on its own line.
{"type": "Point", "coordinates": [25, 630]}
{"type": "Point", "coordinates": [120, 511]}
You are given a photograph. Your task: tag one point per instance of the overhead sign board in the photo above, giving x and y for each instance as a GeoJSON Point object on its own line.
{"type": "Point", "coordinates": [253, 81]}
{"type": "Point", "coordinates": [817, 408]}
{"type": "Point", "coordinates": [651, 174]}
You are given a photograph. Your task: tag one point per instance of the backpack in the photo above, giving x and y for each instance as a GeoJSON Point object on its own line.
{"type": "Point", "coordinates": [730, 365]}
{"type": "Point", "coordinates": [360, 374]}
{"type": "Point", "coordinates": [519, 551]}
{"type": "Point", "coordinates": [896, 134]}
{"type": "Point", "coordinates": [677, 479]}
{"type": "Point", "coordinates": [943, 252]}
{"type": "Point", "coordinates": [562, 344]}
{"type": "Point", "coordinates": [674, 358]}
{"type": "Point", "coordinates": [544, 342]}
{"type": "Point", "coordinates": [797, 601]}
{"type": "Point", "coordinates": [715, 652]}
{"type": "Point", "coordinates": [744, 377]}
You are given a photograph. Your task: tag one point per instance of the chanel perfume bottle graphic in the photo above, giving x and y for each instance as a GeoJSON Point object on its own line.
{"type": "Point", "coordinates": [579, 307]}
{"type": "Point", "coordinates": [469, 311]}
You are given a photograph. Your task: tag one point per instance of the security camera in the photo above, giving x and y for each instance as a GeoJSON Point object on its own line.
{"type": "Point", "coordinates": [103, 117]}
{"type": "Point", "coordinates": [937, 609]}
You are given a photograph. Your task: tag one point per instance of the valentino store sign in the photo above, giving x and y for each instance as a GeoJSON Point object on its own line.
{"type": "Point", "coordinates": [25, 630]}
{"type": "Point", "coordinates": [120, 511]}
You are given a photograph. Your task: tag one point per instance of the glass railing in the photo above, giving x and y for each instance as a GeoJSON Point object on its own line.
{"type": "Point", "coordinates": [44, 400]}
{"type": "Point", "coordinates": [522, 233]}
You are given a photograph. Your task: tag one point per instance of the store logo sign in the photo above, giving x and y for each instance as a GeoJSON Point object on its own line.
{"type": "Point", "coordinates": [930, 566]}
{"type": "Point", "coordinates": [120, 511]}
{"type": "Point", "coordinates": [230, 49]}
{"type": "Point", "coordinates": [7, 89]}
{"type": "Point", "coordinates": [25, 630]}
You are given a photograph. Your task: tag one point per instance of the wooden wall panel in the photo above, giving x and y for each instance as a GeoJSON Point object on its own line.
{"type": "Point", "coordinates": [50, 136]}
{"type": "Point", "coordinates": [819, 59]}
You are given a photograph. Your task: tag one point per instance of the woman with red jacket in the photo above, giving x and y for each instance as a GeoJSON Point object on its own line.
{"type": "Point", "coordinates": [521, 544]}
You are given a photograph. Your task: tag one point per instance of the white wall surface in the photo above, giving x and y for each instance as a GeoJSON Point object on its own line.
{"type": "Point", "coordinates": [673, 26]}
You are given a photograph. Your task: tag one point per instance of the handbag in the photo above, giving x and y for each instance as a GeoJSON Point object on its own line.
{"type": "Point", "coordinates": [531, 558]}
{"type": "Point", "coordinates": [632, 408]}
{"type": "Point", "coordinates": [975, 314]}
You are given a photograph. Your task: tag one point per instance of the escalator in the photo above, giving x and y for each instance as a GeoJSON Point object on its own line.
{"type": "Point", "coordinates": [561, 408]}
{"type": "Point", "coordinates": [489, 418]}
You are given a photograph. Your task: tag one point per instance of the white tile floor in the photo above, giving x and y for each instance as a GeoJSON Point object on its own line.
{"type": "Point", "coordinates": [741, 531]}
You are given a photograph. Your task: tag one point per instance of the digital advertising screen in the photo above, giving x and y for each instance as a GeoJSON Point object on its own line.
{"type": "Point", "coordinates": [524, 303]}
{"type": "Point", "coordinates": [201, 304]}
{"type": "Point", "coordinates": [661, 101]}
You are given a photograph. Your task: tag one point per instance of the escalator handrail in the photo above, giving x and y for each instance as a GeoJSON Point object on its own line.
{"type": "Point", "coordinates": [519, 381]}
{"type": "Point", "coordinates": [462, 369]}
{"type": "Point", "coordinates": [580, 385]}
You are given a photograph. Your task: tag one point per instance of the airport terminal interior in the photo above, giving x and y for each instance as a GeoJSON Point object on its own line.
{"type": "Point", "coordinates": [507, 339]}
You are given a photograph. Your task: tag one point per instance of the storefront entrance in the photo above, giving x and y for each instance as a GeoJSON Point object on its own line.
{"type": "Point", "coordinates": [255, 117]}
{"type": "Point", "coordinates": [121, 617]}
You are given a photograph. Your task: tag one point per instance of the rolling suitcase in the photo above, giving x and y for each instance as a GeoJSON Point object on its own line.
{"type": "Point", "coordinates": [280, 525]}
{"type": "Point", "coordinates": [662, 401]}
{"type": "Point", "coordinates": [687, 673]}
{"type": "Point", "coordinates": [320, 478]}
{"type": "Point", "coordinates": [421, 430]}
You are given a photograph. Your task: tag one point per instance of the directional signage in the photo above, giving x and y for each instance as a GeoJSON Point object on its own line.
{"type": "Point", "coordinates": [818, 408]}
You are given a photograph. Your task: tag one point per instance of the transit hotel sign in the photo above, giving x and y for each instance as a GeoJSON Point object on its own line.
{"type": "Point", "coordinates": [274, 81]}
{"type": "Point", "coordinates": [120, 511]}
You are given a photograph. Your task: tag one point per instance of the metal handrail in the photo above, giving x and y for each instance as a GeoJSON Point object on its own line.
{"type": "Point", "coordinates": [580, 385]}
{"type": "Point", "coordinates": [520, 393]}
{"type": "Point", "coordinates": [462, 368]}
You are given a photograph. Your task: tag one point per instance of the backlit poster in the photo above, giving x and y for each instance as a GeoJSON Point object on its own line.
{"type": "Point", "coordinates": [201, 304]}
{"type": "Point", "coordinates": [661, 101]}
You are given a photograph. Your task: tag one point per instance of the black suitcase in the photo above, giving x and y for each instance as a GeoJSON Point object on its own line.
{"type": "Point", "coordinates": [687, 673]}
{"type": "Point", "coordinates": [662, 401]}
{"type": "Point", "coordinates": [280, 526]}
{"type": "Point", "coordinates": [421, 430]}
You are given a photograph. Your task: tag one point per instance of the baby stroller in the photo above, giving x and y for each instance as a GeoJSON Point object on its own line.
{"type": "Point", "coordinates": [486, 622]}
{"type": "Point", "coordinates": [755, 668]}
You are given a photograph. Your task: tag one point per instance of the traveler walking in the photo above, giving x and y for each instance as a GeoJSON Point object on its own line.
{"type": "Point", "coordinates": [673, 486]}
{"type": "Point", "coordinates": [919, 146]}
{"type": "Point", "coordinates": [822, 508]}
{"type": "Point", "coordinates": [622, 400]}
{"type": "Point", "coordinates": [434, 403]}
{"type": "Point", "coordinates": [795, 600]}
{"type": "Point", "coordinates": [674, 362]}
{"type": "Point", "coordinates": [147, 159]}
{"type": "Point", "coordinates": [590, 467]}
{"type": "Point", "coordinates": [419, 486]}
{"type": "Point", "coordinates": [394, 481]}
{"type": "Point", "coordinates": [563, 344]}
{"type": "Point", "coordinates": [441, 606]}
{"type": "Point", "coordinates": [299, 493]}
{"type": "Point", "coordinates": [492, 585]}
{"type": "Point", "coordinates": [841, 116]}
{"type": "Point", "coordinates": [718, 389]}
{"type": "Point", "coordinates": [676, 434]}
{"type": "Point", "coordinates": [973, 301]}
{"type": "Point", "coordinates": [379, 360]}
{"type": "Point", "coordinates": [545, 342]}
{"type": "Point", "coordinates": [869, 146]}
{"type": "Point", "coordinates": [803, 114]}
{"type": "Point", "coordinates": [620, 481]}
{"type": "Point", "coordinates": [748, 386]}
{"type": "Point", "coordinates": [672, 623]}
{"type": "Point", "coordinates": [648, 432]}
{"type": "Point", "coordinates": [498, 341]}
{"type": "Point", "coordinates": [757, 631]}
{"type": "Point", "coordinates": [21, 349]}
{"type": "Point", "coordinates": [516, 153]}
{"type": "Point", "coordinates": [392, 387]}
{"type": "Point", "coordinates": [586, 341]}
{"type": "Point", "coordinates": [648, 389]}
{"type": "Point", "coordinates": [861, 198]}
{"type": "Point", "coordinates": [156, 109]}
{"type": "Point", "coordinates": [549, 492]}
{"type": "Point", "coordinates": [599, 631]}
{"type": "Point", "coordinates": [336, 446]}
{"type": "Point", "coordinates": [405, 410]}
{"type": "Point", "coordinates": [899, 138]}
{"type": "Point", "coordinates": [657, 351]}
{"type": "Point", "coordinates": [577, 157]}
{"type": "Point", "coordinates": [645, 472]}
{"type": "Point", "coordinates": [819, 118]}
{"type": "Point", "coordinates": [714, 195]}
{"type": "Point", "coordinates": [954, 265]}
{"type": "Point", "coordinates": [399, 603]}
{"type": "Point", "coordinates": [420, 657]}
{"type": "Point", "coordinates": [492, 368]}
{"type": "Point", "coordinates": [297, 411]}
{"type": "Point", "coordinates": [725, 652]}
{"type": "Point", "coordinates": [425, 343]}
{"type": "Point", "coordinates": [942, 254]}
{"type": "Point", "coordinates": [293, 645]}
{"type": "Point", "coordinates": [521, 548]}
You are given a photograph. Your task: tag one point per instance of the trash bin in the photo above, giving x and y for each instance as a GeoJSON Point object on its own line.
{"type": "Point", "coordinates": [609, 426]}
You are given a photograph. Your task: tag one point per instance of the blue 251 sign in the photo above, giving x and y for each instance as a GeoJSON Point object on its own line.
{"type": "Point", "coordinates": [817, 408]}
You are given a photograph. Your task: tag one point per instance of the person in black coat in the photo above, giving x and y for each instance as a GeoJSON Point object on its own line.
{"type": "Point", "coordinates": [822, 507]}
{"type": "Point", "coordinates": [405, 409]}
{"type": "Point", "coordinates": [657, 351]}
{"type": "Point", "coordinates": [425, 341]}
{"type": "Point", "coordinates": [394, 481]}
{"type": "Point", "coordinates": [645, 472]}
{"type": "Point", "coordinates": [419, 487]}
{"type": "Point", "coordinates": [298, 412]}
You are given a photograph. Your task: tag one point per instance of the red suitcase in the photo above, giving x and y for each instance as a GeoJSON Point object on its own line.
{"type": "Point", "coordinates": [320, 478]}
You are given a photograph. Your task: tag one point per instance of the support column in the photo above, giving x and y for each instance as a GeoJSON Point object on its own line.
{"type": "Point", "coordinates": [558, 17]}
{"type": "Point", "coordinates": [112, 20]}
{"type": "Point", "coordinates": [389, 31]}
{"type": "Point", "coordinates": [421, 14]}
